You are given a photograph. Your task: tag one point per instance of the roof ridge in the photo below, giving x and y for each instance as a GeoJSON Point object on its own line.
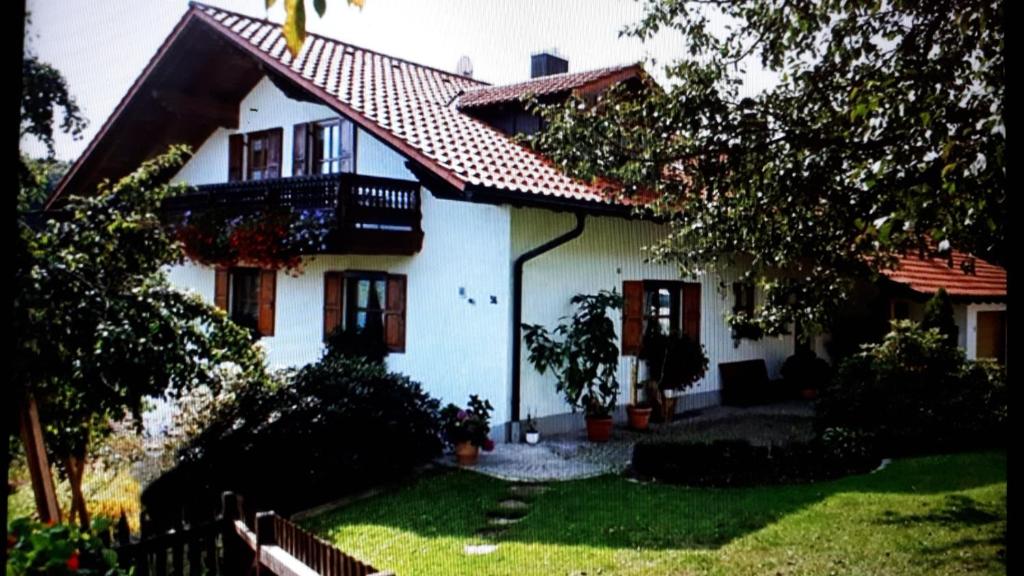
{"type": "Point", "coordinates": [604, 71]}
{"type": "Point", "coordinates": [193, 4]}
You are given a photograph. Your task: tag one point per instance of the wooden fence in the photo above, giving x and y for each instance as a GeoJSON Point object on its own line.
{"type": "Point", "coordinates": [228, 545]}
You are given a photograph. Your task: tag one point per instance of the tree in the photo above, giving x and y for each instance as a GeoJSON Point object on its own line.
{"type": "Point", "coordinates": [43, 89]}
{"type": "Point", "coordinates": [938, 313]}
{"type": "Point", "coordinates": [294, 27]}
{"type": "Point", "coordinates": [883, 135]}
{"type": "Point", "coordinates": [98, 326]}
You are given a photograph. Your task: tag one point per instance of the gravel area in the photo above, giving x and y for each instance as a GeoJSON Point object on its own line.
{"type": "Point", "coordinates": [571, 456]}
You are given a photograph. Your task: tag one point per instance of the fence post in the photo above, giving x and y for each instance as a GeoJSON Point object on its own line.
{"type": "Point", "coordinates": [264, 535]}
{"type": "Point", "coordinates": [234, 553]}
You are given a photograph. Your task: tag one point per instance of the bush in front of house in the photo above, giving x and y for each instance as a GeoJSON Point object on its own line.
{"type": "Point", "coordinates": [804, 371]}
{"type": "Point", "coordinates": [337, 426]}
{"type": "Point", "coordinates": [916, 393]}
{"type": "Point", "coordinates": [832, 454]}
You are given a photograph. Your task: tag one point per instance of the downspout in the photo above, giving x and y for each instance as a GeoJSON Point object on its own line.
{"type": "Point", "coordinates": [517, 312]}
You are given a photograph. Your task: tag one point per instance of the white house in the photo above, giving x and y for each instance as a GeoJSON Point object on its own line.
{"type": "Point", "coordinates": [439, 209]}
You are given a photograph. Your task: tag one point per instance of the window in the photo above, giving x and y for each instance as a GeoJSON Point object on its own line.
{"type": "Point", "coordinates": [743, 298]}
{"type": "Point", "coordinates": [368, 303]}
{"type": "Point", "coordinates": [265, 154]}
{"type": "Point", "coordinates": [365, 296]}
{"type": "Point", "coordinates": [333, 147]}
{"type": "Point", "coordinates": [663, 305]}
{"type": "Point", "coordinates": [248, 295]}
{"type": "Point", "coordinates": [244, 298]}
{"type": "Point", "coordinates": [667, 305]}
{"type": "Point", "coordinates": [324, 147]}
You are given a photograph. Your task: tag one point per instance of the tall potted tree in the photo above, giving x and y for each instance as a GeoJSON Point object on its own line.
{"type": "Point", "coordinates": [583, 354]}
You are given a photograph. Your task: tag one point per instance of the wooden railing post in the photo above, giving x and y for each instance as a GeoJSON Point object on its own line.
{"type": "Point", "coordinates": [234, 550]}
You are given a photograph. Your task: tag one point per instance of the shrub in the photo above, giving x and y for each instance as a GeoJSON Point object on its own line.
{"type": "Point", "coordinates": [675, 361]}
{"type": "Point", "coordinates": [469, 425]}
{"type": "Point", "coordinates": [917, 394]}
{"type": "Point", "coordinates": [36, 549]}
{"type": "Point", "coordinates": [804, 370]}
{"type": "Point", "coordinates": [336, 426]}
{"type": "Point", "coordinates": [739, 463]}
{"type": "Point", "coordinates": [367, 343]}
{"type": "Point", "coordinates": [938, 313]}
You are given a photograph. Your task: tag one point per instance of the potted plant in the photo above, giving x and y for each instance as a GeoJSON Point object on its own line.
{"type": "Point", "coordinates": [804, 373]}
{"type": "Point", "coordinates": [466, 430]}
{"type": "Point", "coordinates": [675, 362]}
{"type": "Point", "coordinates": [639, 411]}
{"type": "Point", "coordinates": [584, 358]}
{"type": "Point", "coordinates": [532, 435]}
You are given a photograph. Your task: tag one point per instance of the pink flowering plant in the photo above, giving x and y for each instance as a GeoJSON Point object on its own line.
{"type": "Point", "coordinates": [470, 424]}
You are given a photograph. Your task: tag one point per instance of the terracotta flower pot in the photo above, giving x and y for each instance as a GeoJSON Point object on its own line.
{"type": "Point", "coordinates": [599, 429]}
{"type": "Point", "coordinates": [639, 418]}
{"type": "Point", "coordinates": [466, 453]}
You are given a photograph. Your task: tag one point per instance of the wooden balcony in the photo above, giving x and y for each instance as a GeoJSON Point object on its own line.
{"type": "Point", "coordinates": [374, 215]}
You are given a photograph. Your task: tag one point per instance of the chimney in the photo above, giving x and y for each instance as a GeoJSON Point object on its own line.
{"type": "Point", "coordinates": [464, 67]}
{"type": "Point", "coordinates": [547, 63]}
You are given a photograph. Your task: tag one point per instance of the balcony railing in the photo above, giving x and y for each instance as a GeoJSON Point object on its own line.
{"type": "Point", "coordinates": [374, 214]}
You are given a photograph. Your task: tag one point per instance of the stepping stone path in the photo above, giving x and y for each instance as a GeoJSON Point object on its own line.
{"type": "Point", "coordinates": [480, 549]}
{"type": "Point", "coordinates": [508, 511]}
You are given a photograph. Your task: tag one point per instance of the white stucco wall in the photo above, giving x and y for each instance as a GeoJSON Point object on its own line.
{"type": "Point", "coordinates": [267, 107]}
{"type": "Point", "coordinates": [971, 322]}
{"type": "Point", "coordinates": [453, 348]}
{"type": "Point", "coordinates": [608, 253]}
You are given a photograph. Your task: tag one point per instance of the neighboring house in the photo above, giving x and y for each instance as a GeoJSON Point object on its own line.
{"type": "Point", "coordinates": [440, 209]}
{"type": "Point", "coordinates": [979, 304]}
{"type": "Point", "coordinates": [979, 299]}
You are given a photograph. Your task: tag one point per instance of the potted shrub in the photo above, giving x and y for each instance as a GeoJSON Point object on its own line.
{"type": "Point", "coordinates": [466, 430]}
{"type": "Point", "coordinates": [804, 373]}
{"type": "Point", "coordinates": [675, 362]}
{"type": "Point", "coordinates": [639, 411]}
{"type": "Point", "coordinates": [584, 359]}
{"type": "Point", "coordinates": [532, 435]}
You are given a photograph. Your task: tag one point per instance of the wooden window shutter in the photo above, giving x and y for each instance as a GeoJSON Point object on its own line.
{"type": "Point", "coordinates": [236, 152]}
{"type": "Point", "coordinates": [221, 282]}
{"type": "Point", "coordinates": [394, 315]}
{"type": "Point", "coordinates": [333, 283]}
{"type": "Point", "coordinates": [274, 137]}
{"type": "Point", "coordinates": [691, 310]}
{"type": "Point", "coordinates": [632, 317]}
{"type": "Point", "coordinates": [300, 150]}
{"type": "Point", "coordinates": [268, 296]}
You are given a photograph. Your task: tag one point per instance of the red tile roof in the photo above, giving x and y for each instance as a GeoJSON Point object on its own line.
{"type": "Point", "coordinates": [928, 275]}
{"type": "Point", "coordinates": [407, 104]}
{"type": "Point", "coordinates": [553, 84]}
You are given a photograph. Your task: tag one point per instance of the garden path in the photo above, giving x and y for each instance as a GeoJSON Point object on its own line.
{"type": "Point", "coordinates": [570, 456]}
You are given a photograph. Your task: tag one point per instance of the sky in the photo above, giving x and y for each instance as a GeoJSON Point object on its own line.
{"type": "Point", "coordinates": [102, 47]}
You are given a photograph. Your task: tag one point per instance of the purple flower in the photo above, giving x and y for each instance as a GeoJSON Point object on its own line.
{"type": "Point", "coordinates": [462, 415]}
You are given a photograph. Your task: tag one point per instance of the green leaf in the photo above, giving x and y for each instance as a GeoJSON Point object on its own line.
{"type": "Point", "coordinates": [295, 25]}
{"type": "Point", "coordinates": [270, 3]}
{"type": "Point", "coordinates": [320, 6]}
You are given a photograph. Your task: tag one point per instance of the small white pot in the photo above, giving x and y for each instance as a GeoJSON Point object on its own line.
{"type": "Point", "coordinates": [532, 437]}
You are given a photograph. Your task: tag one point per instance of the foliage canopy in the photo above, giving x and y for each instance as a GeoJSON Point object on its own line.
{"type": "Point", "coordinates": [884, 134]}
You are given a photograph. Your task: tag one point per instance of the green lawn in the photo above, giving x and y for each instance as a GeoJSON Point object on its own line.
{"type": "Point", "coordinates": [936, 515]}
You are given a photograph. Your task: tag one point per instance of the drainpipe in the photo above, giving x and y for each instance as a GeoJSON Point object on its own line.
{"type": "Point", "coordinates": [517, 313]}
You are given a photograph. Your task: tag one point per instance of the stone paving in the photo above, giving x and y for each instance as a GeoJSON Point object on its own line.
{"type": "Point", "coordinates": [571, 456]}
